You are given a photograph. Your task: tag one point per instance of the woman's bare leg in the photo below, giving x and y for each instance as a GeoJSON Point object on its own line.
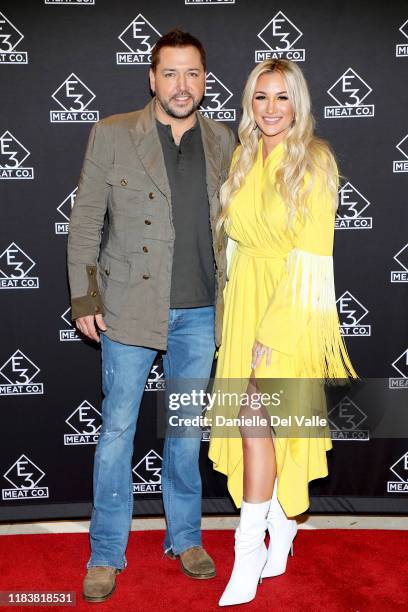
{"type": "Point", "coordinates": [259, 455]}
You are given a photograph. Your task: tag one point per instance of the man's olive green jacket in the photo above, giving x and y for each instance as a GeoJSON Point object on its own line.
{"type": "Point", "coordinates": [121, 235]}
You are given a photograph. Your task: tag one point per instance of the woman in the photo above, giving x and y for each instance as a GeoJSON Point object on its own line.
{"type": "Point", "coordinates": [279, 206]}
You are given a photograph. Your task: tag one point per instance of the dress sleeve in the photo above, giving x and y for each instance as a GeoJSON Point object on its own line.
{"type": "Point", "coordinates": [301, 319]}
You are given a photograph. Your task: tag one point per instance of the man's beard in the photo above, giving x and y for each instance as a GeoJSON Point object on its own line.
{"type": "Point", "coordinates": [182, 113]}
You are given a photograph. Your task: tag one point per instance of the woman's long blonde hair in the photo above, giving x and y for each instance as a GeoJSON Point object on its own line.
{"type": "Point", "coordinates": [303, 151]}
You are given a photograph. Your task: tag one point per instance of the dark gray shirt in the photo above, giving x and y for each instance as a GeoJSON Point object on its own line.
{"type": "Point", "coordinates": [192, 280]}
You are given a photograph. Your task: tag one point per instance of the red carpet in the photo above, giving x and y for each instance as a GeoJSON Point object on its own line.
{"type": "Point", "coordinates": [332, 571]}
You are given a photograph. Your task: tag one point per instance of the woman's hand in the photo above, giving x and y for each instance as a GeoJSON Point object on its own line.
{"type": "Point", "coordinates": [258, 350]}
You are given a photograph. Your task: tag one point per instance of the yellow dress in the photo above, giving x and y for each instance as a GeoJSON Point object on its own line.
{"type": "Point", "coordinates": [281, 292]}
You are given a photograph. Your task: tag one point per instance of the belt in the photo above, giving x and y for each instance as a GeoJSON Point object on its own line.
{"type": "Point", "coordinates": [257, 252]}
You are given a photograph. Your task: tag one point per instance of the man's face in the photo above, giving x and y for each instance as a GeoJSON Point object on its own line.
{"type": "Point", "coordinates": [179, 81]}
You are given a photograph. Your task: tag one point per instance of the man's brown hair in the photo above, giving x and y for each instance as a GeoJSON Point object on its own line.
{"type": "Point", "coordinates": [176, 38]}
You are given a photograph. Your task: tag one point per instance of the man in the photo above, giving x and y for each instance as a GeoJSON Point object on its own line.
{"type": "Point", "coordinates": [151, 181]}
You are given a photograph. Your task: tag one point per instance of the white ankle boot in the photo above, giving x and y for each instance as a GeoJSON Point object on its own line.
{"type": "Point", "coordinates": [250, 555]}
{"type": "Point", "coordinates": [281, 532]}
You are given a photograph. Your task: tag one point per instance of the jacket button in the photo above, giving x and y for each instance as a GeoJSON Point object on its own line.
{"type": "Point", "coordinates": [93, 294]}
{"type": "Point", "coordinates": [146, 276]}
{"type": "Point", "coordinates": [151, 195]}
{"type": "Point", "coordinates": [91, 272]}
{"type": "Point", "coordinates": [96, 309]}
{"type": "Point", "coordinates": [147, 222]}
{"type": "Point", "coordinates": [220, 273]}
{"type": "Point", "coordinates": [219, 248]}
{"type": "Point", "coordinates": [145, 249]}
{"type": "Point", "coordinates": [123, 182]}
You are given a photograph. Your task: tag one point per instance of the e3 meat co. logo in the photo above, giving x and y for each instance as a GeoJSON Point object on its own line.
{"type": "Point", "coordinates": [280, 36]}
{"type": "Point", "coordinates": [352, 204]}
{"type": "Point", "coordinates": [156, 380]}
{"type": "Point", "coordinates": [15, 265]}
{"type": "Point", "coordinates": [401, 50]}
{"type": "Point", "coordinates": [64, 209]}
{"type": "Point", "coordinates": [71, 2]}
{"type": "Point", "coordinates": [351, 314]}
{"type": "Point", "coordinates": [139, 37]}
{"type": "Point", "coordinates": [74, 97]}
{"type": "Point", "coordinates": [69, 334]}
{"type": "Point", "coordinates": [85, 421]}
{"type": "Point", "coordinates": [12, 156]}
{"type": "Point", "coordinates": [401, 276]}
{"type": "Point", "coordinates": [349, 91]}
{"type": "Point", "coordinates": [24, 475]}
{"type": "Point", "coordinates": [147, 474]}
{"type": "Point", "coordinates": [345, 420]}
{"type": "Point", "coordinates": [401, 165]}
{"type": "Point", "coordinates": [401, 366]}
{"type": "Point", "coordinates": [19, 373]}
{"type": "Point", "coordinates": [400, 470]}
{"type": "Point", "coordinates": [207, 2]}
{"type": "Point", "coordinates": [215, 99]}
{"type": "Point", "coordinates": [10, 38]}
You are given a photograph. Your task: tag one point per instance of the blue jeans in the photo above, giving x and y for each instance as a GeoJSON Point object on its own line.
{"type": "Point", "coordinates": [125, 369]}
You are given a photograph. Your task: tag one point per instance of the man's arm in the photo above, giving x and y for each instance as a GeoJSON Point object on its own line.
{"type": "Point", "coordinates": [232, 144]}
{"type": "Point", "coordinates": [86, 222]}
{"type": "Point", "coordinates": [229, 150]}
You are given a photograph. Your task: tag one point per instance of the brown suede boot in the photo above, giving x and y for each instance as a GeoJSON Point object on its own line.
{"type": "Point", "coordinates": [99, 583]}
{"type": "Point", "coordinates": [197, 563]}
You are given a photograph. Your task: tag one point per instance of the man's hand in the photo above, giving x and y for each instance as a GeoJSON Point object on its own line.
{"type": "Point", "coordinates": [258, 350]}
{"type": "Point", "coordinates": [86, 325]}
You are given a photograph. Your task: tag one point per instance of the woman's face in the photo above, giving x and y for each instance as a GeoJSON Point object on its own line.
{"type": "Point", "coordinates": [272, 109]}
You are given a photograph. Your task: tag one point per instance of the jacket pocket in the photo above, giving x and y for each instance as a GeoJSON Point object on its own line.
{"type": "Point", "coordinates": [128, 187]}
{"type": "Point", "coordinates": [114, 275]}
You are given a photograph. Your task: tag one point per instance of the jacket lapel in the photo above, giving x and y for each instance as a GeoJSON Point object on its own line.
{"type": "Point", "coordinates": [212, 152]}
{"type": "Point", "coordinates": [146, 140]}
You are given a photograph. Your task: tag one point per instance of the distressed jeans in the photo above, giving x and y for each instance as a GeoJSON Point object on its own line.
{"type": "Point", "coordinates": [125, 369]}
